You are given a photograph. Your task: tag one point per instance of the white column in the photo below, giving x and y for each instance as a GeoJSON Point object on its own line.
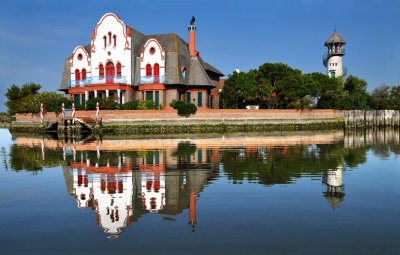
{"type": "Point", "coordinates": [119, 95]}
{"type": "Point", "coordinates": [123, 97]}
{"type": "Point", "coordinates": [107, 93]}
{"type": "Point", "coordinates": [86, 96]}
{"type": "Point", "coordinates": [95, 93]}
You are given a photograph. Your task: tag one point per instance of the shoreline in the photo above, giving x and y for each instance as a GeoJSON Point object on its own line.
{"type": "Point", "coordinates": [144, 128]}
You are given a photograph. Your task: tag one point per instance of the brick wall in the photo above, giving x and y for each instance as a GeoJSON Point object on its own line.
{"type": "Point", "coordinates": [205, 114]}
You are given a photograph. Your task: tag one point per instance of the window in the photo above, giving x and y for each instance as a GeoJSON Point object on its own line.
{"type": "Point", "coordinates": [105, 41]}
{"type": "Point", "coordinates": [77, 77]}
{"type": "Point", "coordinates": [148, 70]}
{"type": "Point", "coordinates": [83, 74]}
{"type": "Point", "coordinates": [119, 70]}
{"type": "Point", "coordinates": [109, 38]}
{"type": "Point", "coordinates": [200, 99]}
{"type": "Point", "coordinates": [80, 56]}
{"type": "Point", "coordinates": [152, 50]}
{"type": "Point", "coordinates": [101, 71]}
{"type": "Point", "coordinates": [156, 73]}
{"type": "Point", "coordinates": [115, 40]}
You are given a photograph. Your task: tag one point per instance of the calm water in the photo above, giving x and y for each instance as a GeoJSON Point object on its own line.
{"type": "Point", "coordinates": [293, 193]}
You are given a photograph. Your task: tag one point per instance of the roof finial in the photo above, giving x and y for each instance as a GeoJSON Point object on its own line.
{"type": "Point", "coordinates": [335, 27]}
{"type": "Point", "coordinates": [192, 21]}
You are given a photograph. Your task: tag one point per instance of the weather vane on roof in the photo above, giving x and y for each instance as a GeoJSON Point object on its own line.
{"type": "Point", "coordinates": [192, 21]}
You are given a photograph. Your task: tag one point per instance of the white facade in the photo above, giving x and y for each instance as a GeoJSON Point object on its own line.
{"type": "Point", "coordinates": [80, 60]}
{"type": "Point", "coordinates": [153, 53]}
{"type": "Point", "coordinates": [335, 65]}
{"type": "Point", "coordinates": [111, 43]}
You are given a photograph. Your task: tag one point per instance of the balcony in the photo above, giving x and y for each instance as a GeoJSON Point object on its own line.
{"type": "Point", "coordinates": [151, 79]}
{"type": "Point", "coordinates": [107, 79]}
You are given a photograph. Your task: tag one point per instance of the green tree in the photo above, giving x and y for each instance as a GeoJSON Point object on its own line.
{"type": "Point", "coordinates": [394, 98]}
{"type": "Point", "coordinates": [380, 97]}
{"type": "Point", "coordinates": [354, 95]}
{"type": "Point", "coordinates": [15, 95]}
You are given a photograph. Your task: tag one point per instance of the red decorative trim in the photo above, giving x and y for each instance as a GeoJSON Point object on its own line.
{"type": "Point", "coordinates": [123, 30]}
{"type": "Point", "coordinates": [73, 54]}
{"type": "Point", "coordinates": [162, 49]}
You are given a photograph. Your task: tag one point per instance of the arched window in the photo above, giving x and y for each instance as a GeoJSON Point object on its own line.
{"type": "Point", "coordinates": [109, 37]}
{"type": "Point", "coordinates": [156, 73]}
{"type": "Point", "coordinates": [148, 70]}
{"type": "Point", "coordinates": [77, 77]}
{"type": "Point", "coordinates": [115, 40]}
{"type": "Point", "coordinates": [83, 74]}
{"type": "Point", "coordinates": [101, 71]}
{"type": "Point", "coordinates": [110, 72]}
{"type": "Point", "coordinates": [119, 72]}
{"type": "Point", "coordinates": [105, 41]}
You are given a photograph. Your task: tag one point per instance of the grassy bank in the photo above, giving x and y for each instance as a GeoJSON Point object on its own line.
{"type": "Point", "coordinates": [190, 128]}
{"type": "Point", "coordinates": [145, 129]}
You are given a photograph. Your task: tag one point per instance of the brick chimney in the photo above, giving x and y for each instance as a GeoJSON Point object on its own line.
{"type": "Point", "coordinates": [192, 40]}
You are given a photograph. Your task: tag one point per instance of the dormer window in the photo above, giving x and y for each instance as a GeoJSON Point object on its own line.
{"type": "Point", "coordinates": [184, 72]}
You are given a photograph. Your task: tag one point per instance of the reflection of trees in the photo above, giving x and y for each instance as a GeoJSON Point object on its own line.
{"type": "Point", "coordinates": [30, 159]}
{"type": "Point", "coordinates": [280, 165]}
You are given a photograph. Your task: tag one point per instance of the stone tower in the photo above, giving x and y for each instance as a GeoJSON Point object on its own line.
{"type": "Point", "coordinates": [333, 58]}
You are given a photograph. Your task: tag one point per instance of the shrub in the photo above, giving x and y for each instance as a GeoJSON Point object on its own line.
{"type": "Point", "coordinates": [108, 104]}
{"type": "Point", "coordinates": [91, 103]}
{"type": "Point", "coordinates": [132, 105]}
{"type": "Point", "coordinates": [105, 103]}
{"type": "Point", "coordinates": [183, 108]}
{"type": "Point", "coordinates": [146, 105]}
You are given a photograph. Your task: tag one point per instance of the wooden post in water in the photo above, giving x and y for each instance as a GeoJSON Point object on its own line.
{"type": "Point", "coordinates": [369, 119]}
{"type": "Point", "coordinates": [396, 118]}
{"type": "Point", "coordinates": [380, 118]}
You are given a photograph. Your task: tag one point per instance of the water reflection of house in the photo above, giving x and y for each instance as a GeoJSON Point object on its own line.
{"type": "Point", "coordinates": [155, 182]}
{"type": "Point", "coordinates": [335, 189]}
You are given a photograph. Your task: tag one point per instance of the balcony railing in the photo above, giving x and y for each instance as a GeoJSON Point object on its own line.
{"type": "Point", "coordinates": [151, 79]}
{"type": "Point", "coordinates": [107, 79]}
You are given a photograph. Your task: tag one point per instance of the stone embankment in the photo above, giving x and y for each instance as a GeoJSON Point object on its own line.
{"type": "Point", "coordinates": [123, 122]}
{"type": "Point", "coordinates": [371, 119]}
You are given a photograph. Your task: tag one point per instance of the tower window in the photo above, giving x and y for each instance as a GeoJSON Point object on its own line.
{"type": "Point", "coordinates": [115, 40]}
{"type": "Point", "coordinates": [105, 41]}
{"type": "Point", "coordinates": [109, 38]}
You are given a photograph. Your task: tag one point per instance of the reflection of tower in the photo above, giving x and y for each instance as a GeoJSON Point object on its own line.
{"type": "Point", "coordinates": [192, 210]}
{"type": "Point", "coordinates": [335, 188]}
{"type": "Point", "coordinates": [332, 60]}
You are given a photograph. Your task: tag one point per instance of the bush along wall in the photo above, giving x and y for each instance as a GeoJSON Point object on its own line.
{"type": "Point", "coordinates": [183, 107]}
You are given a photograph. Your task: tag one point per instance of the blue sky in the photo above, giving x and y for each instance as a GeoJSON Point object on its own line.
{"type": "Point", "coordinates": [36, 36]}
